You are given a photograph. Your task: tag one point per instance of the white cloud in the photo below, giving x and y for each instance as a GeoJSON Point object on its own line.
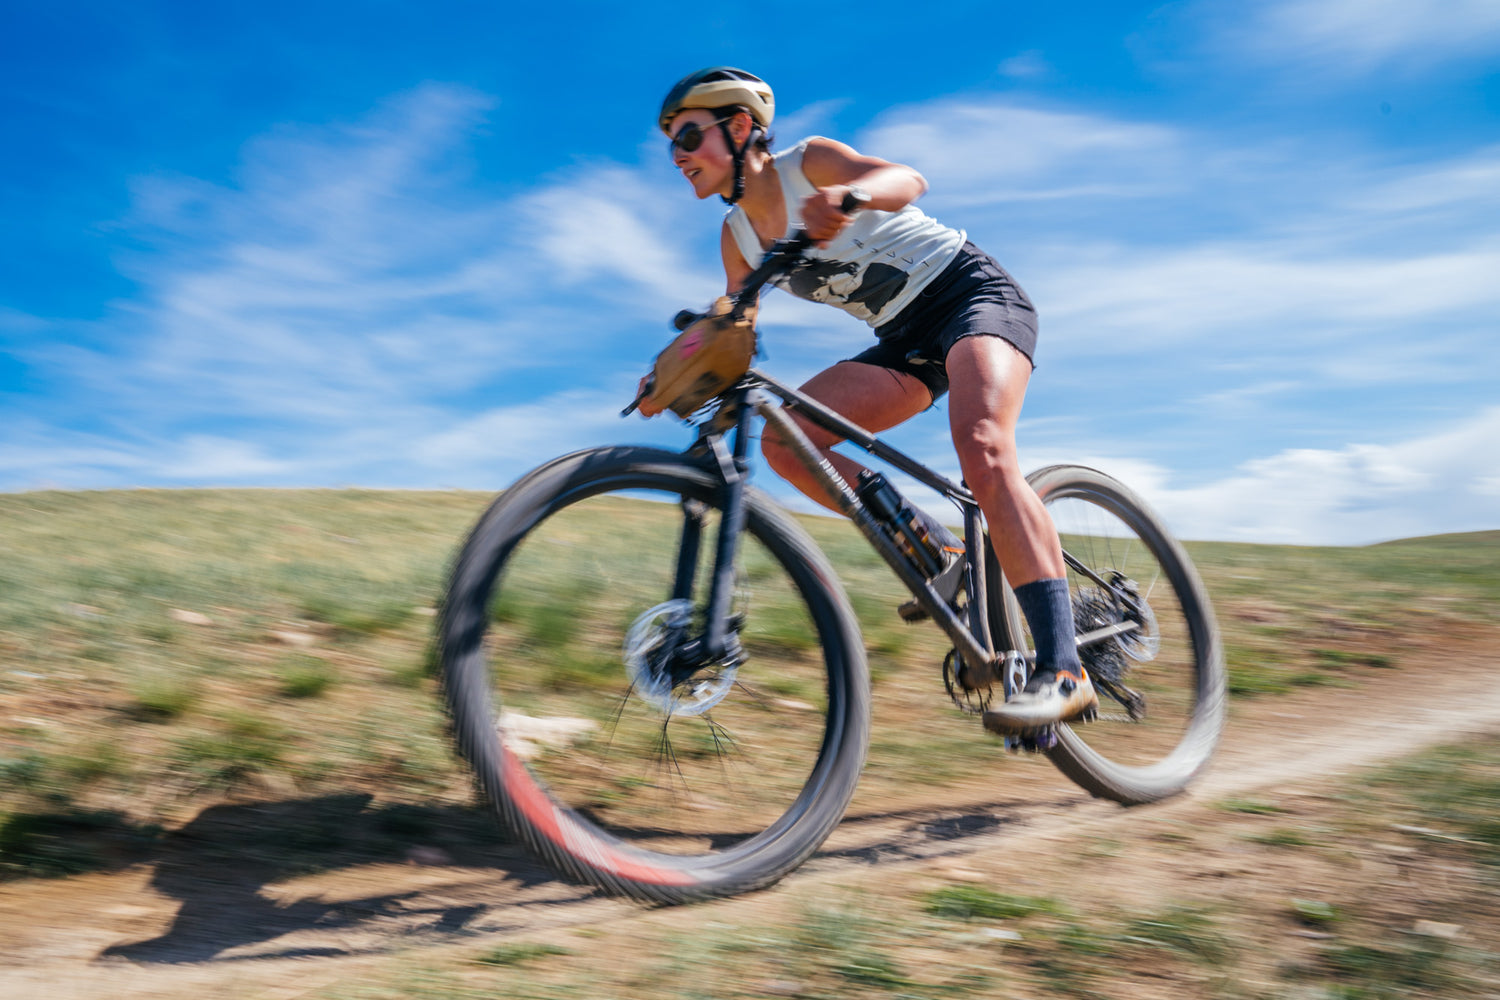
{"type": "Point", "coordinates": [977, 152]}
{"type": "Point", "coordinates": [1028, 65]}
{"type": "Point", "coordinates": [356, 307]}
{"type": "Point", "coordinates": [1123, 298]}
{"type": "Point", "coordinates": [1354, 495]}
{"type": "Point", "coordinates": [1463, 184]}
{"type": "Point", "coordinates": [1353, 37]}
{"type": "Point", "coordinates": [604, 225]}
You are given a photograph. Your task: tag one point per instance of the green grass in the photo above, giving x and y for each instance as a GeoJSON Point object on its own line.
{"type": "Point", "coordinates": [1284, 837]}
{"type": "Point", "coordinates": [519, 954]}
{"type": "Point", "coordinates": [970, 902]}
{"type": "Point", "coordinates": [305, 676]}
{"type": "Point", "coordinates": [1253, 807]}
{"type": "Point", "coordinates": [904, 939]}
{"type": "Point", "coordinates": [161, 696]}
{"type": "Point", "coordinates": [156, 643]}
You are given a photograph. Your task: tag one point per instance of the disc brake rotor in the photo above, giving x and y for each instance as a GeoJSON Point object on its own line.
{"type": "Point", "coordinates": [648, 652]}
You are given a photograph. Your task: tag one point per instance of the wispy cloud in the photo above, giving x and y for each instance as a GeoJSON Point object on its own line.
{"type": "Point", "coordinates": [357, 307]}
{"type": "Point", "coordinates": [980, 152]}
{"type": "Point", "coordinates": [1346, 38]}
{"type": "Point", "coordinates": [1357, 494]}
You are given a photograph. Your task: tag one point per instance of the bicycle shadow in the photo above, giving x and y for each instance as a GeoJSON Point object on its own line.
{"type": "Point", "coordinates": [220, 864]}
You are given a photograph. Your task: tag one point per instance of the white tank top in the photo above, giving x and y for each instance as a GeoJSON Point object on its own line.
{"type": "Point", "coordinates": [878, 264]}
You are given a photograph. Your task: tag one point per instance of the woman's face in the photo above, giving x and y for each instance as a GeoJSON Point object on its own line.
{"type": "Point", "coordinates": [710, 167]}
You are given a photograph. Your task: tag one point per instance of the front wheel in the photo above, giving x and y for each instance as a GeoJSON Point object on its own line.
{"type": "Point", "coordinates": [616, 756]}
{"type": "Point", "coordinates": [1147, 637]}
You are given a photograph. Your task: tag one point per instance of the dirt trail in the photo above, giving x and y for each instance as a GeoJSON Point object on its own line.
{"type": "Point", "coordinates": [180, 927]}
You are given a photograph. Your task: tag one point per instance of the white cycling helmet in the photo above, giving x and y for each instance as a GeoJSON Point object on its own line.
{"type": "Point", "coordinates": [719, 87]}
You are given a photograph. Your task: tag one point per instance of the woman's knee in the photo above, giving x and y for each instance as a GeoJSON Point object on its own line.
{"type": "Point", "coordinates": [987, 455]}
{"type": "Point", "coordinates": [781, 456]}
{"type": "Point", "coordinates": [776, 453]}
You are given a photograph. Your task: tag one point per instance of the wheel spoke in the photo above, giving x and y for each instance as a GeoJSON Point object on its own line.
{"type": "Point", "coordinates": [679, 765]}
{"type": "Point", "coordinates": [1150, 641]}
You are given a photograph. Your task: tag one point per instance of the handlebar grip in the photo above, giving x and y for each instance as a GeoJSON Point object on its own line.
{"type": "Point", "coordinates": [685, 319]}
{"type": "Point", "coordinates": [854, 200]}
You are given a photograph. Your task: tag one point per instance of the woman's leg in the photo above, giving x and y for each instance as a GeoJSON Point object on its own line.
{"type": "Point", "coordinates": [873, 397]}
{"type": "Point", "coordinates": [987, 383]}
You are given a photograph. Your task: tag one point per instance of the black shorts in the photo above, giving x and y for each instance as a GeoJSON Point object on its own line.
{"type": "Point", "coordinates": [972, 297]}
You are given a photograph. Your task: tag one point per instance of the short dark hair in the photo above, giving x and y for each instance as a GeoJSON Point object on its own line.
{"type": "Point", "coordinates": [762, 140]}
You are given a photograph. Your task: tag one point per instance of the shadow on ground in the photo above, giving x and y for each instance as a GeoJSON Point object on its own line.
{"type": "Point", "coordinates": [219, 864]}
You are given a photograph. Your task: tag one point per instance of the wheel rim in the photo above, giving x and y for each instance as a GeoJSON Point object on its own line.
{"type": "Point", "coordinates": [1128, 578]}
{"type": "Point", "coordinates": [698, 767]}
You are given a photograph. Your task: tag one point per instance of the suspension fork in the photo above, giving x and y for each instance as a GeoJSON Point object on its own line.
{"type": "Point", "coordinates": [735, 470]}
{"type": "Point", "coordinates": [713, 645]}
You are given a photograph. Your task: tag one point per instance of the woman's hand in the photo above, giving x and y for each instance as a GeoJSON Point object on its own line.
{"type": "Point", "coordinates": [643, 402]}
{"type": "Point", "coordinates": [822, 217]}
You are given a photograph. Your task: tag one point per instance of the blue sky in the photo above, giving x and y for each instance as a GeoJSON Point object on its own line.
{"type": "Point", "coordinates": [398, 245]}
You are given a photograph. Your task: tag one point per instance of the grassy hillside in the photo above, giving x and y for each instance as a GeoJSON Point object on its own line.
{"type": "Point", "coordinates": [160, 651]}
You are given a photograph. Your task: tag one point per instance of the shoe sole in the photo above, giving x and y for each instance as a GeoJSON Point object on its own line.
{"type": "Point", "coordinates": [997, 724]}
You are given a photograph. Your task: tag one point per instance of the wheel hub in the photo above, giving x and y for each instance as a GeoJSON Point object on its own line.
{"type": "Point", "coordinates": [650, 650]}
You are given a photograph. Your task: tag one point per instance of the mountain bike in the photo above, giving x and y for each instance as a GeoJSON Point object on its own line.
{"type": "Point", "coordinates": [660, 683]}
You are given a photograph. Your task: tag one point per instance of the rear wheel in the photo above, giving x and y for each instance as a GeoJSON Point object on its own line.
{"type": "Point", "coordinates": [1147, 637]}
{"type": "Point", "coordinates": [620, 760]}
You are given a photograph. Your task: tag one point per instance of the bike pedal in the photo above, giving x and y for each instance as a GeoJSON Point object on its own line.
{"type": "Point", "coordinates": [1039, 741]}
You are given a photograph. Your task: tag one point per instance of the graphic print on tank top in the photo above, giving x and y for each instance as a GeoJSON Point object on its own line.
{"type": "Point", "coordinates": [874, 268]}
{"type": "Point", "coordinates": [815, 278]}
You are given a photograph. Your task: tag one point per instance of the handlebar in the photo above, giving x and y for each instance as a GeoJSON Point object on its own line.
{"type": "Point", "coordinates": [783, 256]}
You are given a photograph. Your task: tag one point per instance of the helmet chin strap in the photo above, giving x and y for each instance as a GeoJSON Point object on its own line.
{"type": "Point", "coordinates": [739, 162]}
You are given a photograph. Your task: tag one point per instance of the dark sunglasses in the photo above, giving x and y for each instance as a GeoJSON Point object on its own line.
{"type": "Point", "coordinates": [691, 137]}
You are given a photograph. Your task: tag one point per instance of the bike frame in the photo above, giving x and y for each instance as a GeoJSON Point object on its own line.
{"type": "Point", "coordinates": [757, 394]}
{"type": "Point", "coordinates": [987, 657]}
{"type": "Point", "coordinates": [973, 642]}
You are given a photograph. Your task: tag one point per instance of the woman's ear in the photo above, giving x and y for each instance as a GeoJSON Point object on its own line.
{"type": "Point", "coordinates": [740, 126]}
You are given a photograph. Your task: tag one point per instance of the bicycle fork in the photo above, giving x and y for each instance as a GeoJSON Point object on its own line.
{"type": "Point", "coordinates": [714, 645]}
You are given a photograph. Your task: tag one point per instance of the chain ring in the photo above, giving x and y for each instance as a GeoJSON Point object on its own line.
{"type": "Point", "coordinates": [968, 702]}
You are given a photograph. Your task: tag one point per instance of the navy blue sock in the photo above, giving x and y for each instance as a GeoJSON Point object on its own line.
{"type": "Point", "coordinates": [1050, 614]}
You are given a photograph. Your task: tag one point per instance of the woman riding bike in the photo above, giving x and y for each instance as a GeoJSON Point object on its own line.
{"type": "Point", "coordinates": [947, 319]}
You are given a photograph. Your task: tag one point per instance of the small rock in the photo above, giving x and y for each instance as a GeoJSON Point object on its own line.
{"type": "Point", "coordinates": [1431, 928]}
{"type": "Point", "coordinates": [429, 856]}
{"type": "Point", "coordinates": [1001, 934]}
{"type": "Point", "coordinates": [189, 617]}
{"type": "Point", "coordinates": [84, 611]}
{"type": "Point", "coordinates": [525, 736]}
{"type": "Point", "coordinates": [289, 638]}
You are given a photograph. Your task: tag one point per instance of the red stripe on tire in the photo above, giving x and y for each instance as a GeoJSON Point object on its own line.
{"type": "Point", "coordinates": [564, 831]}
